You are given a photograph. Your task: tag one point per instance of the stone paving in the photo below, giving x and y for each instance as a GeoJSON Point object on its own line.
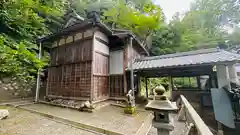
{"type": "Point", "coordinates": [25, 123]}
{"type": "Point", "coordinates": [109, 118]}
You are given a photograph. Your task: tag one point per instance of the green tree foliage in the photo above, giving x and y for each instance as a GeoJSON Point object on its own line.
{"type": "Point", "coordinates": [142, 23]}
{"type": "Point", "coordinates": [141, 17]}
{"type": "Point", "coordinates": [234, 37]}
{"type": "Point", "coordinates": [205, 25]}
{"type": "Point", "coordinates": [22, 22]}
{"type": "Point", "coordinates": [84, 6]}
{"type": "Point", "coordinates": [165, 40]}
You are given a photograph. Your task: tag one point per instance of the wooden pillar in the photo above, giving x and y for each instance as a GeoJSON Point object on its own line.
{"type": "Point", "coordinates": [146, 81]}
{"type": "Point", "coordinates": [151, 88]}
{"type": "Point", "coordinates": [138, 85]}
{"type": "Point", "coordinates": [131, 65]}
{"type": "Point", "coordinates": [172, 83]}
{"type": "Point", "coordinates": [199, 83]}
{"type": "Point", "coordinates": [233, 73]}
{"type": "Point", "coordinates": [223, 80]}
{"type": "Point", "coordinates": [210, 81]}
{"type": "Point", "coordinates": [38, 74]}
{"type": "Point", "coordinates": [125, 65]}
{"type": "Point", "coordinates": [170, 87]}
{"type": "Point", "coordinates": [223, 76]}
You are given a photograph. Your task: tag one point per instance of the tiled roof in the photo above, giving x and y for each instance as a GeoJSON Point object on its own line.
{"type": "Point", "coordinates": [198, 57]}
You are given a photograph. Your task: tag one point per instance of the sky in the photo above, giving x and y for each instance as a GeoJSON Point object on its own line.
{"type": "Point", "coordinates": [172, 6]}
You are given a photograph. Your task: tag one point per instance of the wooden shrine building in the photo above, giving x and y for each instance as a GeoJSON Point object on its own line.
{"type": "Point", "coordinates": [89, 61]}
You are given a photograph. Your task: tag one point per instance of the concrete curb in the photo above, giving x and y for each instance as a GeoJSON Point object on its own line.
{"type": "Point", "coordinates": [17, 105]}
{"type": "Point", "coordinates": [63, 106]}
{"type": "Point", "coordinates": [75, 124]}
{"type": "Point", "coordinates": [16, 100]}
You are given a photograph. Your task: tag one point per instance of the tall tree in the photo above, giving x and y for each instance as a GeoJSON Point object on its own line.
{"type": "Point", "coordinates": [22, 22]}
{"type": "Point", "coordinates": [165, 40]}
{"type": "Point", "coordinates": [206, 24]}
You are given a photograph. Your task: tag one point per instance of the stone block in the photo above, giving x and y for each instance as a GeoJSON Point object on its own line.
{"type": "Point", "coordinates": [3, 114]}
{"type": "Point", "coordinates": [166, 126]}
{"type": "Point", "coordinates": [6, 79]}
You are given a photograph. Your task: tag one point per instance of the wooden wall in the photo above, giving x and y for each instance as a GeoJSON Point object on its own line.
{"type": "Point", "coordinates": [100, 87]}
{"type": "Point", "coordinates": [116, 73]}
{"type": "Point", "coordinates": [79, 67]}
{"type": "Point", "coordinates": [70, 71]}
{"type": "Point", "coordinates": [116, 85]}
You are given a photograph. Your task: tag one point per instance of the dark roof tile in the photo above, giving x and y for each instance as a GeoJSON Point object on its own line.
{"type": "Point", "coordinates": [198, 57]}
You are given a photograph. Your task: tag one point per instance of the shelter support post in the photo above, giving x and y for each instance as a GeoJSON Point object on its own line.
{"type": "Point", "coordinates": [146, 82]}
{"type": "Point", "coordinates": [38, 74]}
{"type": "Point", "coordinates": [233, 73]}
{"type": "Point", "coordinates": [170, 87]}
{"type": "Point", "coordinates": [223, 80]}
{"type": "Point", "coordinates": [138, 86]}
{"type": "Point", "coordinates": [151, 87]}
{"type": "Point", "coordinates": [223, 76]}
{"type": "Point", "coordinates": [198, 83]}
{"type": "Point", "coordinates": [131, 66]}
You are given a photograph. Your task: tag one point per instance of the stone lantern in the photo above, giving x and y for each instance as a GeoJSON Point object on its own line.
{"type": "Point", "coordinates": [162, 108]}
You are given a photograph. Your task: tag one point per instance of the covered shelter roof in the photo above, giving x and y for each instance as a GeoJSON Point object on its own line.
{"type": "Point", "coordinates": [185, 63]}
{"type": "Point", "coordinates": [191, 58]}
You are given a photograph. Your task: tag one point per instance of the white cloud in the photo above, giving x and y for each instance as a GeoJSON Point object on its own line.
{"type": "Point", "coordinates": [170, 7]}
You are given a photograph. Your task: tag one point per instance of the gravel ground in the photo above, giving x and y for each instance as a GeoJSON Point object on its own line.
{"type": "Point", "coordinates": [109, 118]}
{"type": "Point", "coordinates": [25, 123]}
{"type": "Point", "coordinates": [180, 128]}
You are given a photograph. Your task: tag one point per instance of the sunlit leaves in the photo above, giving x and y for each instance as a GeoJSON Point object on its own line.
{"type": "Point", "coordinates": [142, 23]}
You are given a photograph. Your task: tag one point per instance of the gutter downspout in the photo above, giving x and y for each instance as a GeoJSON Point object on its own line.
{"type": "Point", "coordinates": [131, 67]}
{"type": "Point", "coordinates": [38, 74]}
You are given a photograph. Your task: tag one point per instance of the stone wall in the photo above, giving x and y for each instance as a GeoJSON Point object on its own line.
{"type": "Point", "coordinates": [10, 89]}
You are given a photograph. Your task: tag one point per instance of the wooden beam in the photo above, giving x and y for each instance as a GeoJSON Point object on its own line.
{"type": "Point", "coordinates": [176, 72]}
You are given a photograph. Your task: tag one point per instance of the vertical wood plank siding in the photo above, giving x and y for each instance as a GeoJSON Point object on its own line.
{"type": "Point", "coordinates": [116, 85]}
{"type": "Point", "coordinates": [70, 70]}
{"type": "Point", "coordinates": [100, 76]}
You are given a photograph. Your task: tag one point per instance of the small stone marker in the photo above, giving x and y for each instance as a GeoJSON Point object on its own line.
{"type": "Point", "coordinates": [3, 114]}
{"type": "Point", "coordinates": [131, 107]}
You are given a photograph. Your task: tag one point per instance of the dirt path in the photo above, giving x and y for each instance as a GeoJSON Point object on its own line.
{"type": "Point", "coordinates": [25, 123]}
